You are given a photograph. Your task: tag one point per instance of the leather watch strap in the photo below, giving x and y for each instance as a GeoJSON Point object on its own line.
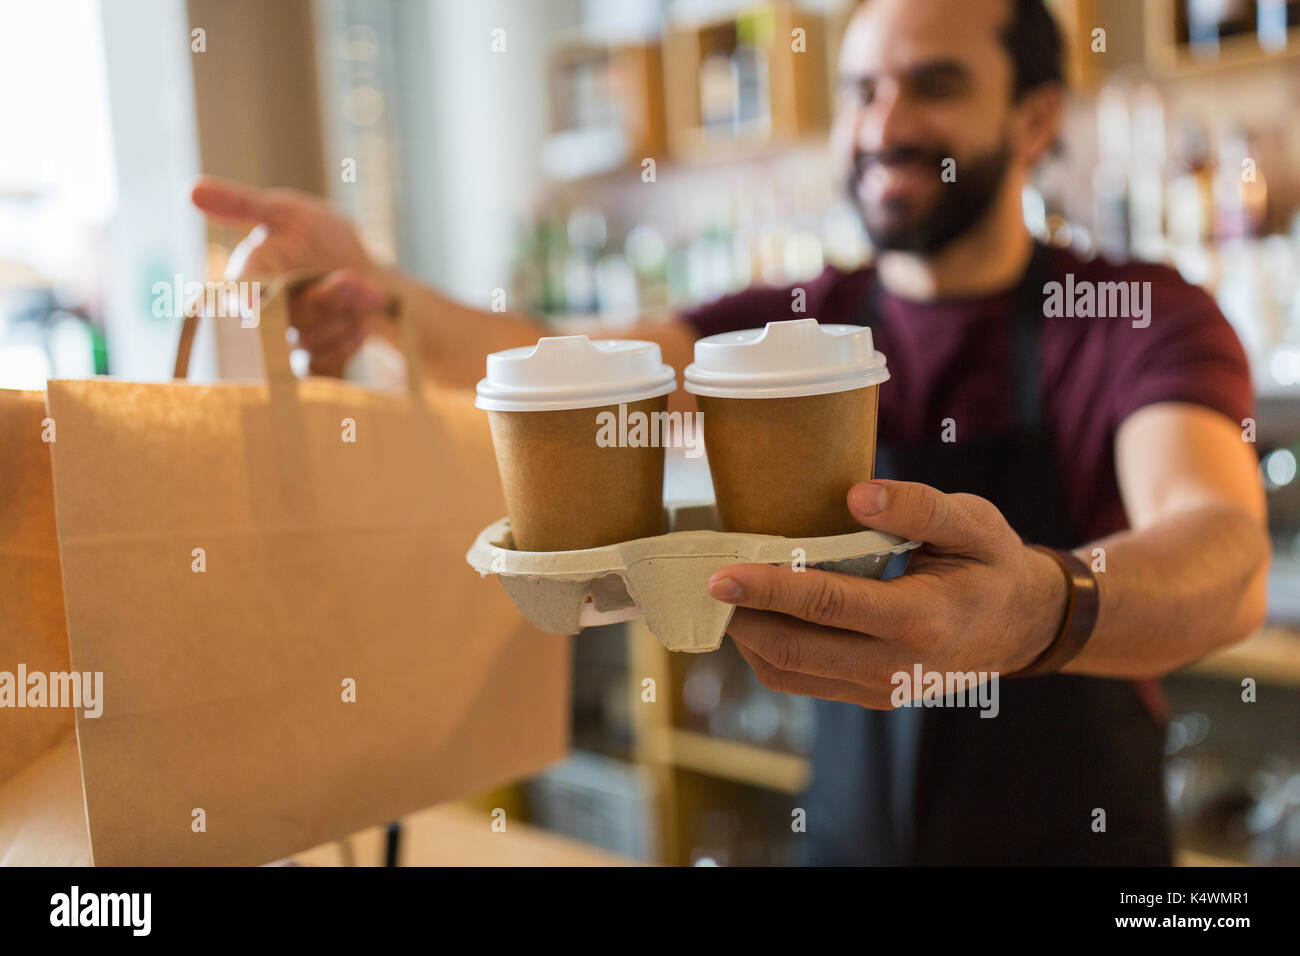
{"type": "Point", "coordinates": [1081, 605]}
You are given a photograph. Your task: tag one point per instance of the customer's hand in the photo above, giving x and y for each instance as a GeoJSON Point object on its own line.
{"type": "Point", "coordinates": [974, 598]}
{"type": "Point", "coordinates": [290, 230]}
{"type": "Point", "coordinates": [293, 230]}
{"type": "Point", "coordinates": [335, 314]}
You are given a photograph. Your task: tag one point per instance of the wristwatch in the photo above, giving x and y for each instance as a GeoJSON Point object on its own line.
{"type": "Point", "coordinates": [1081, 604]}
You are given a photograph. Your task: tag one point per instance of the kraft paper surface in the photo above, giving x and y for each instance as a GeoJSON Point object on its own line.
{"type": "Point", "coordinates": [237, 560]}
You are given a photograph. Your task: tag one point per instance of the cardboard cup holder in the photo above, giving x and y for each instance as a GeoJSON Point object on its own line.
{"type": "Point", "coordinates": [662, 578]}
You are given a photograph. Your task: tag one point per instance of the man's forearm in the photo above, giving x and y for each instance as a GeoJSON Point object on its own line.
{"type": "Point", "coordinates": [1175, 591]}
{"type": "Point", "coordinates": [454, 337]}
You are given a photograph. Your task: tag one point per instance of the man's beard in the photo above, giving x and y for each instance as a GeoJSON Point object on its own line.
{"type": "Point", "coordinates": [957, 206]}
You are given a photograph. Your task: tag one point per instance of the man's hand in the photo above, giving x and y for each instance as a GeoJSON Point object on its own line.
{"type": "Point", "coordinates": [293, 230]}
{"type": "Point", "coordinates": [974, 598]}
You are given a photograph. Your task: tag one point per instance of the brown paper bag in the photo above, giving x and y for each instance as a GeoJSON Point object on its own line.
{"type": "Point", "coordinates": [32, 630]}
{"type": "Point", "coordinates": [271, 579]}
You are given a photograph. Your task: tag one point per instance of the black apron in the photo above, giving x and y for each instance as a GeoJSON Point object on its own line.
{"type": "Point", "coordinates": [943, 786]}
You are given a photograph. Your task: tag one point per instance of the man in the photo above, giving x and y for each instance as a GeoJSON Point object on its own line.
{"type": "Point", "coordinates": [1008, 422]}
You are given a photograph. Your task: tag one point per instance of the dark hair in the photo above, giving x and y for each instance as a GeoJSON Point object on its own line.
{"type": "Point", "coordinates": [1033, 41]}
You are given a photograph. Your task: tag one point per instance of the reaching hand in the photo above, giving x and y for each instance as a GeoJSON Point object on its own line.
{"type": "Point", "coordinates": [336, 314]}
{"type": "Point", "coordinates": [291, 230]}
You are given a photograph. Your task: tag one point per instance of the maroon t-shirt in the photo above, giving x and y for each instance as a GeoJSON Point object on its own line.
{"type": "Point", "coordinates": [951, 359]}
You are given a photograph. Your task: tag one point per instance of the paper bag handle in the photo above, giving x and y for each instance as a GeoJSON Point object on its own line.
{"type": "Point", "coordinates": [273, 327]}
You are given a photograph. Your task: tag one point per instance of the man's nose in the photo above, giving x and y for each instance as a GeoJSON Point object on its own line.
{"type": "Point", "coordinates": [889, 120]}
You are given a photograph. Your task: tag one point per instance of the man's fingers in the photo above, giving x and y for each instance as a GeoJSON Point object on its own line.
{"type": "Point", "coordinates": [823, 597]}
{"type": "Point", "coordinates": [919, 512]}
{"type": "Point", "coordinates": [805, 685]}
{"type": "Point", "coordinates": [789, 644]}
{"type": "Point", "coordinates": [232, 201]}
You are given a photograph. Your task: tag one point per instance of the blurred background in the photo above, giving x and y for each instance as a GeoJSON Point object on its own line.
{"type": "Point", "coordinates": [507, 144]}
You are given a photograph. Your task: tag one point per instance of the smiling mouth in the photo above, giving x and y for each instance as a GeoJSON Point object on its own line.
{"type": "Point", "coordinates": [884, 181]}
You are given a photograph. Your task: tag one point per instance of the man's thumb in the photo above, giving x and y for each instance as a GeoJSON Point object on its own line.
{"type": "Point", "coordinates": [913, 510]}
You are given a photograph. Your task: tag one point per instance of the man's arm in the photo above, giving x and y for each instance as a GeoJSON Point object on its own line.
{"type": "Point", "coordinates": [1187, 578]}
{"type": "Point", "coordinates": [1191, 573]}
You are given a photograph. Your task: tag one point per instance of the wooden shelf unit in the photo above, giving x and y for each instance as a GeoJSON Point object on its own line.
{"type": "Point", "coordinates": [635, 74]}
{"type": "Point", "coordinates": [1168, 56]}
{"type": "Point", "coordinates": [677, 757]}
{"type": "Point", "coordinates": [797, 81]}
{"type": "Point", "coordinates": [1271, 655]}
{"type": "Point", "coordinates": [1077, 20]}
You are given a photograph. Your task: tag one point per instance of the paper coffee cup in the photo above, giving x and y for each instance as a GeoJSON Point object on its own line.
{"type": "Point", "coordinates": [572, 481]}
{"type": "Point", "coordinates": [789, 416]}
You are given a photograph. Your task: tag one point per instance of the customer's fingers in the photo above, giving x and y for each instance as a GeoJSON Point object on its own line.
{"type": "Point", "coordinates": [335, 305]}
{"type": "Point", "coordinates": [334, 315]}
{"type": "Point", "coordinates": [326, 329]}
{"type": "Point", "coordinates": [331, 361]}
{"type": "Point", "coordinates": [344, 292]}
{"type": "Point", "coordinates": [256, 255]}
{"type": "Point", "coordinates": [233, 202]}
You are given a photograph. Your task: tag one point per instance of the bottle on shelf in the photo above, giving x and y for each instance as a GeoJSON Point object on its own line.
{"type": "Point", "coordinates": [1110, 178]}
{"type": "Point", "coordinates": [1190, 194]}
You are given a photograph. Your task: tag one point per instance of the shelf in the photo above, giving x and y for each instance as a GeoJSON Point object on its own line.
{"type": "Point", "coordinates": [698, 155]}
{"type": "Point", "coordinates": [1272, 392]}
{"type": "Point", "coordinates": [1076, 19]}
{"type": "Point", "coordinates": [1168, 57]}
{"type": "Point", "coordinates": [459, 834]}
{"type": "Point", "coordinates": [732, 760]}
{"type": "Point", "coordinates": [698, 147]}
{"type": "Point", "coordinates": [1271, 655]}
{"type": "Point", "coordinates": [1240, 52]}
{"type": "Point", "coordinates": [1193, 858]}
{"type": "Point", "coordinates": [797, 93]}
{"type": "Point", "coordinates": [623, 83]}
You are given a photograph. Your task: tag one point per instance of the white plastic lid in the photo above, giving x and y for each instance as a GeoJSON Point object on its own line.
{"type": "Point", "coordinates": [785, 360]}
{"type": "Point", "coordinates": [572, 371]}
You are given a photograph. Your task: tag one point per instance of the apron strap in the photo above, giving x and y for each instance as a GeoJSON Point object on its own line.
{"type": "Point", "coordinates": [1025, 357]}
